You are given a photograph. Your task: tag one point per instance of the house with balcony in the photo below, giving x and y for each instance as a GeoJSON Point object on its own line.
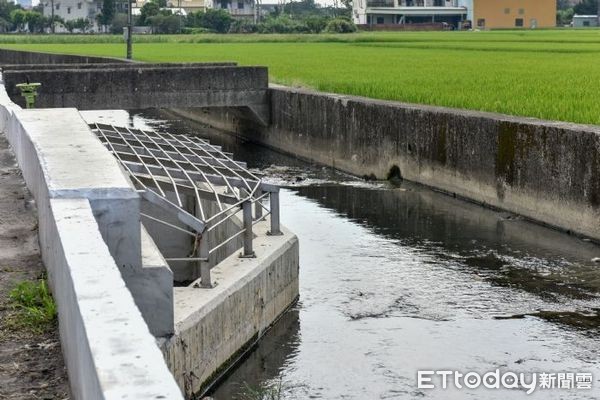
{"type": "Point", "coordinates": [73, 9]}
{"type": "Point", "coordinates": [237, 8]}
{"type": "Point", "coordinates": [394, 12]}
{"type": "Point", "coordinates": [478, 14]}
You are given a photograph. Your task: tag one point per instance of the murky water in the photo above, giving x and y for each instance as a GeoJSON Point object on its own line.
{"type": "Point", "coordinates": [397, 279]}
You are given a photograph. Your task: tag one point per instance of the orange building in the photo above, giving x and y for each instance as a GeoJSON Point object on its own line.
{"type": "Point", "coordinates": [493, 14]}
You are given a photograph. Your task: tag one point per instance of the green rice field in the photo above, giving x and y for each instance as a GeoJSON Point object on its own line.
{"type": "Point", "coordinates": [549, 74]}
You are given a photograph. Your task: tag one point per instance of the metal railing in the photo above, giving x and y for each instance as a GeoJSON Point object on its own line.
{"type": "Point", "coordinates": [380, 3]}
{"type": "Point", "coordinates": [161, 163]}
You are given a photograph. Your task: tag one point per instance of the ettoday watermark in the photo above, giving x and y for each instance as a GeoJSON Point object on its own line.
{"type": "Point", "coordinates": [508, 380]}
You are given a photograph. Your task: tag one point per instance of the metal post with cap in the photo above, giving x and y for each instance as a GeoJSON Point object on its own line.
{"type": "Point", "coordinates": [129, 29]}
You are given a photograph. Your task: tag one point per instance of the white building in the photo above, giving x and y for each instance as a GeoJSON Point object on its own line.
{"type": "Point", "coordinates": [584, 21]}
{"type": "Point", "coordinates": [237, 8]}
{"type": "Point", "coordinates": [74, 9]}
{"type": "Point", "coordinates": [383, 12]}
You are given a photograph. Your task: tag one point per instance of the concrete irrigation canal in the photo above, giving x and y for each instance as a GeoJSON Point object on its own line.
{"type": "Point", "coordinates": [249, 240]}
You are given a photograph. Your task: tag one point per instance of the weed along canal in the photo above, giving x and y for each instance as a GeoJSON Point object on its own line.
{"type": "Point", "coordinates": [396, 279]}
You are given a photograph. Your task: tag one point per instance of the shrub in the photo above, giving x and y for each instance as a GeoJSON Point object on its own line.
{"type": "Point", "coordinates": [243, 26]}
{"type": "Point", "coordinates": [195, 31]}
{"type": "Point", "coordinates": [214, 20]}
{"type": "Point", "coordinates": [340, 25]}
{"type": "Point", "coordinates": [119, 22]}
{"type": "Point", "coordinates": [164, 23]}
{"type": "Point", "coordinates": [282, 24]}
{"type": "Point", "coordinates": [316, 24]}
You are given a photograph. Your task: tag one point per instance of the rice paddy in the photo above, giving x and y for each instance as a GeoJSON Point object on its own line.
{"type": "Point", "coordinates": [548, 74]}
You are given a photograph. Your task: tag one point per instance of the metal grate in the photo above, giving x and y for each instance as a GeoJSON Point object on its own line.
{"type": "Point", "coordinates": [161, 162]}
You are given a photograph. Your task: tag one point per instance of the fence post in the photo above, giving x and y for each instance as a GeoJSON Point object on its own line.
{"type": "Point", "coordinates": [258, 211]}
{"type": "Point", "coordinates": [205, 279]}
{"type": "Point", "coordinates": [275, 228]}
{"type": "Point", "coordinates": [247, 219]}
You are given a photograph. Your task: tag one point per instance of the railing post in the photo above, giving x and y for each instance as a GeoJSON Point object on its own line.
{"type": "Point", "coordinates": [247, 219]}
{"type": "Point", "coordinates": [275, 228]}
{"type": "Point", "coordinates": [205, 279]}
{"type": "Point", "coordinates": [258, 211]}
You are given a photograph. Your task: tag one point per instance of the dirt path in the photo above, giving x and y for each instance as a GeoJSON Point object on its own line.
{"type": "Point", "coordinates": [31, 365]}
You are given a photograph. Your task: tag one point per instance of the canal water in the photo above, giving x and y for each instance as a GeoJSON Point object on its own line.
{"type": "Point", "coordinates": [396, 279]}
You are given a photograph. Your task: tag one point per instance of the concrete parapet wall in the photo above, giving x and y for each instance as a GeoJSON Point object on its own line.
{"type": "Point", "coordinates": [111, 64]}
{"type": "Point", "coordinates": [84, 201]}
{"type": "Point", "coordinates": [546, 171]}
{"type": "Point", "coordinates": [144, 87]}
{"type": "Point", "coordinates": [31, 57]}
{"type": "Point", "coordinates": [213, 325]}
{"type": "Point", "coordinates": [109, 352]}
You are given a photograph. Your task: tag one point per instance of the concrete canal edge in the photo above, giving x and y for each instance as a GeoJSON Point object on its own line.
{"type": "Point", "coordinates": [107, 346]}
{"type": "Point", "coordinates": [100, 263]}
{"type": "Point", "coordinates": [546, 171]}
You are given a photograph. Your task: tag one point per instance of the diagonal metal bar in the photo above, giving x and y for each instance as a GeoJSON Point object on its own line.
{"type": "Point", "coordinates": [182, 215]}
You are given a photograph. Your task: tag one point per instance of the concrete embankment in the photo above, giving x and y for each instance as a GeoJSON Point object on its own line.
{"type": "Point", "coordinates": [113, 287]}
{"type": "Point", "coordinates": [545, 171]}
{"type": "Point", "coordinates": [31, 57]}
{"type": "Point", "coordinates": [84, 202]}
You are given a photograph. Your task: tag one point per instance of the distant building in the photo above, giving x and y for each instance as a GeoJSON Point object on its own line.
{"type": "Point", "coordinates": [26, 4]}
{"type": "Point", "coordinates": [491, 14]}
{"type": "Point", "coordinates": [584, 21]}
{"type": "Point", "coordinates": [481, 14]}
{"type": "Point", "coordinates": [74, 9]}
{"type": "Point", "coordinates": [237, 8]}
{"type": "Point", "coordinates": [187, 5]}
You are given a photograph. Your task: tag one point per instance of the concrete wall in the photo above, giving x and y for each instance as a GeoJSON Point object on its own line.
{"type": "Point", "coordinates": [546, 171]}
{"type": "Point", "coordinates": [213, 326]}
{"type": "Point", "coordinates": [83, 201]}
{"type": "Point", "coordinates": [61, 158]}
{"type": "Point", "coordinates": [144, 87]}
{"type": "Point", "coordinates": [31, 57]}
{"type": "Point", "coordinates": [109, 352]}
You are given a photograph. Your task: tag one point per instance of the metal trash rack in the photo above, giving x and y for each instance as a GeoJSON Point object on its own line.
{"type": "Point", "coordinates": [158, 162]}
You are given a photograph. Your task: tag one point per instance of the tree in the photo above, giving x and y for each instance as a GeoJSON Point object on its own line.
{"type": "Point", "coordinates": [564, 17]}
{"type": "Point", "coordinates": [302, 8]}
{"type": "Point", "coordinates": [586, 7]}
{"type": "Point", "coordinates": [18, 18]}
{"type": "Point", "coordinates": [215, 20]}
{"type": "Point", "coordinates": [6, 9]}
{"type": "Point", "coordinates": [35, 21]}
{"type": "Point", "coordinates": [150, 9]}
{"type": "Point", "coordinates": [162, 23]}
{"type": "Point", "coordinates": [83, 24]}
{"type": "Point", "coordinates": [118, 23]}
{"type": "Point", "coordinates": [108, 12]}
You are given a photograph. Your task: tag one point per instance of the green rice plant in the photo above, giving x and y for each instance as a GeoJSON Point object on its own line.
{"type": "Point", "coordinates": [35, 308]}
{"type": "Point", "coordinates": [547, 74]}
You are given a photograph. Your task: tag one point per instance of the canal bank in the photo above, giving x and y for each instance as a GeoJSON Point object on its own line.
{"type": "Point", "coordinates": [400, 278]}
{"type": "Point", "coordinates": [546, 171]}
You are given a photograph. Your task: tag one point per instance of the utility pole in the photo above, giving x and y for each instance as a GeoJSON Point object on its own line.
{"type": "Point", "coordinates": [52, 16]}
{"type": "Point", "coordinates": [129, 29]}
{"type": "Point", "coordinates": [179, 11]}
{"type": "Point", "coordinates": [598, 13]}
